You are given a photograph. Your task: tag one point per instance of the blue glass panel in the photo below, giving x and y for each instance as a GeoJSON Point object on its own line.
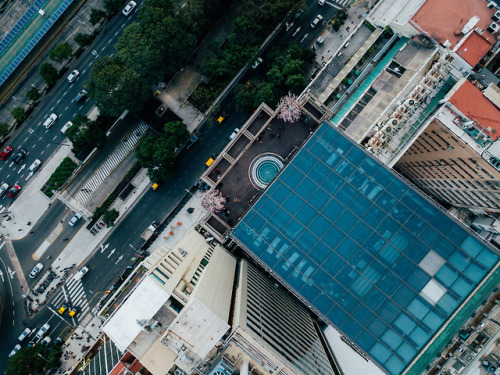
{"type": "Point", "coordinates": [332, 183]}
{"type": "Point", "coordinates": [417, 250]}
{"type": "Point", "coordinates": [389, 254]}
{"type": "Point", "coordinates": [281, 194]}
{"type": "Point", "coordinates": [323, 302]}
{"type": "Point", "coordinates": [331, 159]}
{"type": "Point", "coordinates": [394, 365]}
{"type": "Point", "coordinates": [374, 216]}
{"type": "Point", "coordinates": [398, 188]}
{"type": "Point", "coordinates": [306, 188]}
{"type": "Point", "coordinates": [374, 243]}
{"type": "Point", "coordinates": [333, 237]}
{"type": "Point", "coordinates": [360, 231]}
{"type": "Point", "coordinates": [319, 199]}
{"type": "Point", "coordinates": [342, 145]}
{"type": "Point", "coordinates": [270, 257]}
{"type": "Point", "coordinates": [306, 215]}
{"type": "Point", "coordinates": [360, 260]}
{"type": "Point", "coordinates": [462, 287]}
{"type": "Point", "coordinates": [346, 221]}
{"type": "Point", "coordinates": [392, 339]}
{"type": "Point", "coordinates": [344, 169]}
{"type": "Point", "coordinates": [293, 203]}
{"type": "Point", "coordinates": [346, 248]}
{"type": "Point", "coordinates": [402, 239]}
{"type": "Point", "coordinates": [357, 179]}
{"type": "Point", "coordinates": [471, 246]}
{"type": "Point", "coordinates": [268, 233]}
{"type": "Point", "coordinates": [293, 230]}
{"type": "Point", "coordinates": [385, 201]}
{"type": "Point", "coordinates": [305, 161]}
{"type": "Point", "coordinates": [362, 285]}
{"type": "Point", "coordinates": [417, 279]}
{"type": "Point", "coordinates": [284, 268]}
{"type": "Point", "coordinates": [337, 315]}
{"type": "Point", "coordinates": [335, 290]}
{"type": "Point", "coordinates": [280, 218]}
{"type": "Point", "coordinates": [456, 234]}
{"type": "Point", "coordinates": [319, 173]}
{"type": "Point", "coordinates": [371, 190]}
{"type": "Point", "coordinates": [419, 337]}
{"type": "Point", "coordinates": [355, 156]}
{"type": "Point", "coordinates": [351, 328]}
{"type": "Point", "coordinates": [374, 299]}
{"type": "Point", "coordinates": [377, 327]}
{"type": "Point", "coordinates": [256, 223]}
{"type": "Point", "coordinates": [430, 236]}
{"type": "Point", "coordinates": [426, 211]}
{"type": "Point", "coordinates": [459, 261]}
{"type": "Point", "coordinates": [346, 194]}
{"type": "Point", "coordinates": [319, 225]}
{"type": "Point", "coordinates": [433, 321]}
{"type": "Point", "coordinates": [333, 264]}
{"type": "Point", "coordinates": [329, 136]}
{"type": "Point", "coordinates": [403, 296]}
{"type": "Point", "coordinates": [319, 252]}
{"type": "Point", "coordinates": [441, 222]}
{"type": "Point", "coordinates": [444, 247]}
{"type": "Point", "coordinates": [366, 340]}
{"type": "Point", "coordinates": [362, 314]}
{"type": "Point", "coordinates": [446, 275]}
{"type": "Point", "coordinates": [388, 227]}
{"type": "Point", "coordinates": [487, 258]}
{"type": "Point", "coordinates": [348, 302]}
{"type": "Point", "coordinates": [380, 352]}
{"type": "Point", "coordinates": [306, 241]}
{"type": "Point", "coordinates": [346, 275]}
{"type": "Point", "coordinates": [320, 278]}
{"type": "Point", "coordinates": [405, 323]}
{"type": "Point", "coordinates": [406, 351]}
{"type": "Point", "coordinates": [418, 309]}
{"type": "Point", "coordinates": [293, 178]}
{"type": "Point", "coordinates": [383, 177]}
{"type": "Point", "coordinates": [310, 291]}
{"type": "Point", "coordinates": [447, 303]}
{"type": "Point", "coordinates": [388, 283]}
{"type": "Point", "coordinates": [360, 205]}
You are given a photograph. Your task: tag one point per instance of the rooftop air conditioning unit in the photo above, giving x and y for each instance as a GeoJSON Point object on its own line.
{"type": "Point", "coordinates": [493, 28]}
{"type": "Point", "coordinates": [392, 122]}
{"type": "Point", "coordinates": [388, 129]}
{"type": "Point", "coordinates": [492, 5]}
{"type": "Point", "coordinates": [496, 16]}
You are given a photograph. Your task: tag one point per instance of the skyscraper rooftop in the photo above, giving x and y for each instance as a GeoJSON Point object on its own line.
{"type": "Point", "coordinates": [373, 256]}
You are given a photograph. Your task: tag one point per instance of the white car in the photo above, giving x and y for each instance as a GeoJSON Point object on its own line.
{"type": "Point", "coordinates": [25, 334]}
{"type": "Point", "coordinates": [321, 2]}
{"type": "Point", "coordinates": [46, 341]}
{"type": "Point", "coordinates": [73, 76]}
{"type": "Point", "coordinates": [66, 126]}
{"type": "Point", "coordinates": [3, 189]}
{"type": "Point", "coordinates": [15, 350]}
{"type": "Point", "coordinates": [35, 165]}
{"type": "Point", "coordinates": [316, 21]}
{"type": "Point", "coordinates": [129, 8]}
{"type": "Point", "coordinates": [233, 134]}
{"type": "Point", "coordinates": [36, 270]}
{"type": "Point", "coordinates": [82, 272]}
{"type": "Point", "coordinates": [257, 63]}
{"type": "Point", "coordinates": [50, 121]}
{"type": "Point", "coordinates": [43, 331]}
{"type": "Point", "coordinates": [75, 219]}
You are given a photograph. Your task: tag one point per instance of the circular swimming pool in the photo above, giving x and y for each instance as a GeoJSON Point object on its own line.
{"type": "Point", "coordinates": [264, 169]}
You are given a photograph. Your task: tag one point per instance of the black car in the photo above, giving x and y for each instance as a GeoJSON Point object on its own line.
{"type": "Point", "coordinates": [191, 142]}
{"type": "Point", "coordinates": [18, 158]}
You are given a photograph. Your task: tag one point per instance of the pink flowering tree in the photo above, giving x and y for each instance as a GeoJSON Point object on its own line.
{"type": "Point", "coordinates": [289, 108]}
{"type": "Point", "coordinates": [213, 201]}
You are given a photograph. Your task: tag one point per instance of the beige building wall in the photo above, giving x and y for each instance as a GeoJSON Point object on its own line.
{"type": "Point", "coordinates": [445, 167]}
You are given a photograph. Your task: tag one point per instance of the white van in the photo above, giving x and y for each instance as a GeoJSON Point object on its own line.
{"type": "Point", "coordinates": [50, 121]}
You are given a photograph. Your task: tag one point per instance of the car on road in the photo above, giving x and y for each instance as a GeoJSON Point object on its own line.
{"type": "Point", "coordinates": [50, 121]}
{"type": "Point", "coordinates": [81, 96]}
{"type": "Point", "coordinates": [233, 134]}
{"type": "Point", "coordinates": [19, 156]}
{"type": "Point", "coordinates": [191, 142]}
{"type": "Point", "coordinates": [15, 350]}
{"type": "Point", "coordinates": [298, 14]}
{"type": "Point", "coordinates": [66, 126]}
{"type": "Point", "coordinates": [5, 153]}
{"type": "Point", "coordinates": [14, 190]}
{"type": "Point", "coordinates": [35, 165]}
{"type": "Point", "coordinates": [46, 341]}
{"type": "Point", "coordinates": [25, 334]}
{"type": "Point", "coordinates": [73, 76]}
{"type": "Point", "coordinates": [74, 311]}
{"type": "Point", "coordinates": [35, 271]}
{"type": "Point", "coordinates": [257, 63]}
{"type": "Point", "coordinates": [75, 219]}
{"type": "Point", "coordinates": [3, 189]}
{"type": "Point", "coordinates": [316, 21]}
{"type": "Point", "coordinates": [63, 308]}
{"type": "Point", "coordinates": [211, 160]}
{"type": "Point", "coordinates": [43, 331]}
{"type": "Point", "coordinates": [129, 8]}
{"type": "Point", "coordinates": [82, 272]}
{"type": "Point", "coordinates": [321, 2]}
{"type": "Point", "coordinates": [222, 117]}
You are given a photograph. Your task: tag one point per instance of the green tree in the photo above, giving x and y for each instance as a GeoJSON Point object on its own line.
{"type": "Point", "coordinates": [115, 87]}
{"type": "Point", "coordinates": [158, 155]}
{"type": "Point", "coordinates": [34, 360]}
{"type": "Point", "coordinates": [177, 130]}
{"type": "Point", "coordinates": [275, 76]}
{"type": "Point", "coordinates": [4, 129]}
{"type": "Point", "coordinates": [49, 74]}
{"type": "Point", "coordinates": [83, 39]}
{"type": "Point", "coordinates": [113, 6]}
{"type": "Point", "coordinates": [61, 52]}
{"type": "Point", "coordinates": [85, 135]}
{"type": "Point", "coordinates": [110, 217]}
{"type": "Point", "coordinates": [33, 94]}
{"type": "Point", "coordinates": [96, 16]}
{"type": "Point", "coordinates": [244, 97]}
{"type": "Point", "coordinates": [19, 114]}
{"type": "Point", "coordinates": [296, 83]}
{"type": "Point", "coordinates": [264, 94]}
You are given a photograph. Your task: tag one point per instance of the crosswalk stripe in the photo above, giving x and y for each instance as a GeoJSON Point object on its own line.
{"type": "Point", "coordinates": [74, 287]}
{"type": "Point", "coordinates": [58, 299]}
{"type": "Point", "coordinates": [75, 296]}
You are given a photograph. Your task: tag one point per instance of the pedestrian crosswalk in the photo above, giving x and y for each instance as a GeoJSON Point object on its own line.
{"type": "Point", "coordinates": [74, 295]}
{"type": "Point", "coordinates": [111, 162]}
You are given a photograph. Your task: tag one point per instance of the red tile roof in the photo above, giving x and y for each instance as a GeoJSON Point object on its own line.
{"type": "Point", "coordinates": [474, 48]}
{"type": "Point", "coordinates": [469, 100]}
{"type": "Point", "coordinates": [444, 19]}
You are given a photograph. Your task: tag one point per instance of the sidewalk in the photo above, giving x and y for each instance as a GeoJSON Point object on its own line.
{"type": "Point", "coordinates": [80, 247]}
{"type": "Point", "coordinates": [31, 203]}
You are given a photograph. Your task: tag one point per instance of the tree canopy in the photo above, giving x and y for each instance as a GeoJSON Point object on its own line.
{"type": "Point", "coordinates": [61, 52]}
{"type": "Point", "coordinates": [34, 360]}
{"type": "Point", "coordinates": [49, 74]}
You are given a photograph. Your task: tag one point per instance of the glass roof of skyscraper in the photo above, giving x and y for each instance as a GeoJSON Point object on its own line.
{"type": "Point", "coordinates": [376, 258]}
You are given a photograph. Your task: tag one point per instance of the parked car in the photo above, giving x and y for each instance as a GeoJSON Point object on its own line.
{"type": "Point", "coordinates": [46, 340]}
{"type": "Point", "coordinates": [75, 219]}
{"type": "Point", "coordinates": [36, 270]}
{"type": "Point", "coordinates": [233, 134]}
{"type": "Point", "coordinates": [192, 142]}
{"type": "Point", "coordinates": [3, 189]}
{"type": "Point", "coordinates": [81, 96]}
{"type": "Point", "coordinates": [5, 153]}
{"type": "Point", "coordinates": [82, 272]}
{"type": "Point", "coordinates": [316, 21]}
{"type": "Point", "coordinates": [321, 2]}
{"type": "Point", "coordinates": [298, 14]}
{"type": "Point", "coordinates": [73, 76]}
{"type": "Point", "coordinates": [35, 165]}
{"type": "Point", "coordinates": [25, 334]}
{"type": "Point", "coordinates": [43, 331]}
{"type": "Point", "coordinates": [66, 126]}
{"type": "Point", "coordinates": [50, 121]}
{"type": "Point", "coordinates": [19, 156]}
{"type": "Point", "coordinates": [257, 63]}
{"type": "Point", "coordinates": [129, 8]}
{"type": "Point", "coordinates": [15, 350]}
{"type": "Point", "coordinates": [14, 190]}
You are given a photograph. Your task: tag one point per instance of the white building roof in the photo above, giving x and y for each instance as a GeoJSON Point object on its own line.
{"type": "Point", "coordinates": [142, 304]}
